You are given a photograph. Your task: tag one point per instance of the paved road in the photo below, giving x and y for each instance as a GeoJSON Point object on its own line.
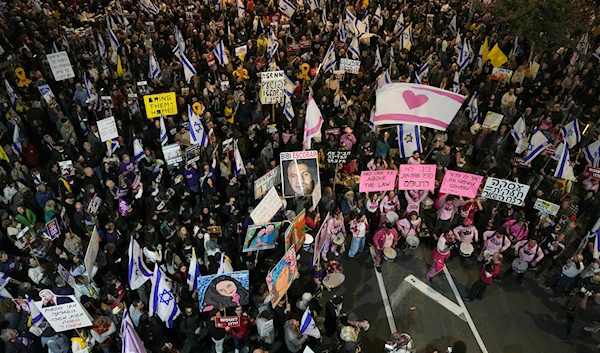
{"type": "Point", "coordinates": [510, 318]}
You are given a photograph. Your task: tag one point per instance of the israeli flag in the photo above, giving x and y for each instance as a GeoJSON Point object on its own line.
{"type": "Point", "coordinates": [463, 56]}
{"type": "Point", "coordinates": [378, 17]}
{"type": "Point", "coordinates": [101, 47]}
{"type": "Point", "coordinates": [130, 339]}
{"type": "Point", "coordinates": [571, 133]}
{"type": "Point", "coordinates": [162, 298]}
{"type": "Point", "coordinates": [238, 163]}
{"type": "Point", "coordinates": [351, 20]}
{"type": "Point", "coordinates": [114, 42]}
{"type": "Point", "coordinates": [537, 143]}
{"type": "Point", "coordinates": [378, 64]}
{"type": "Point", "coordinates": [324, 17]}
{"type": "Point", "coordinates": [308, 325]}
{"type": "Point", "coordinates": [164, 138]}
{"type": "Point", "coordinates": [473, 107]}
{"type": "Point", "coordinates": [188, 69]}
{"type": "Point", "coordinates": [407, 38]}
{"type": "Point", "coordinates": [564, 169]}
{"type": "Point", "coordinates": [409, 140]}
{"type": "Point", "coordinates": [54, 48]}
{"type": "Point", "coordinates": [329, 61]}
{"type": "Point", "coordinates": [220, 54]}
{"type": "Point", "coordinates": [456, 82]}
{"type": "Point", "coordinates": [241, 9]}
{"type": "Point", "coordinates": [153, 68]}
{"type": "Point", "coordinates": [193, 272]}
{"type": "Point", "coordinates": [384, 79]}
{"type": "Point", "coordinates": [89, 90]}
{"type": "Point", "coordinates": [592, 153]}
{"type": "Point", "coordinates": [342, 31]}
{"type": "Point", "coordinates": [197, 132]}
{"type": "Point", "coordinates": [149, 7]}
{"type": "Point", "coordinates": [354, 48]}
{"type": "Point", "coordinates": [289, 87]}
{"type": "Point", "coordinates": [372, 119]}
{"type": "Point", "coordinates": [287, 8]}
{"type": "Point", "coordinates": [399, 26]}
{"type": "Point", "coordinates": [11, 94]}
{"type": "Point", "coordinates": [288, 111]}
{"type": "Point", "coordinates": [423, 71]}
{"type": "Point", "coordinates": [138, 149]}
{"type": "Point", "coordinates": [16, 145]}
{"type": "Point", "coordinates": [138, 272]}
{"type": "Point", "coordinates": [519, 129]}
{"type": "Point", "coordinates": [452, 25]}
{"type": "Point", "coordinates": [313, 4]}
{"type": "Point", "coordinates": [272, 46]}
{"type": "Point", "coordinates": [113, 145]}
{"type": "Point", "coordinates": [37, 319]}
{"type": "Point", "coordinates": [180, 41]}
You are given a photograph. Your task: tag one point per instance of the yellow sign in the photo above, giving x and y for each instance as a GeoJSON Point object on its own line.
{"type": "Point", "coordinates": [198, 108]}
{"type": "Point", "coordinates": [165, 103]}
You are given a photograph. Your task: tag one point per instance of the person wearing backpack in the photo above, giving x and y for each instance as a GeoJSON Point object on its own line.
{"type": "Point", "coordinates": [527, 252]}
{"type": "Point", "coordinates": [494, 242]}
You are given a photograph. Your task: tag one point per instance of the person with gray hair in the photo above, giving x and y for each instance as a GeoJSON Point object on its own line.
{"type": "Point", "coordinates": [13, 343]}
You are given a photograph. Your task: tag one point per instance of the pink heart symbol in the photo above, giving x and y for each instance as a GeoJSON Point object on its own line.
{"type": "Point", "coordinates": [414, 100]}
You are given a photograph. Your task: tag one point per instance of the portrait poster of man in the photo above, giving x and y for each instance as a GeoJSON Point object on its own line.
{"type": "Point", "coordinates": [223, 291]}
{"type": "Point", "coordinates": [299, 173]}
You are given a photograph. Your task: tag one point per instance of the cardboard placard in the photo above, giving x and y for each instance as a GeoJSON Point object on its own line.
{"type": "Point", "coordinates": [53, 229]}
{"type": "Point", "coordinates": [267, 208]}
{"type": "Point", "coordinates": [107, 129]}
{"type": "Point", "coordinates": [261, 237]}
{"type": "Point", "coordinates": [165, 103]}
{"type": "Point", "coordinates": [316, 195]}
{"type": "Point", "coordinates": [505, 191]}
{"type": "Point", "coordinates": [192, 154]}
{"type": "Point", "coordinates": [66, 275]}
{"type": "Point", "coordinates": [546, 207]}
{"type": "Point", "coordinates": [492, 121]}
{"type": "Point", "coordinates": [335, 157]}
{"type": "Point", "coordinates": [377, 180]}
{"type": "Point", "coordinates": [266, 182]}
{"type": "Point", "coordinates": [461, 184]}
{"type": "Point", "coordinates": [92, 252]}
{"type": "Point", "coordinates": [501, 75]}
{"type": "Point", "coordinates": [241, 50]}
{"type": "Point", "coordinates": [281, 276]}
{"type": "Point", "coordinates": [417, 177]}
{"type": "Point", "coordinates": [273, 83]}
{"type": "Point", "coordinates": [592, 172]}
{"type": "Point", "coordinates": [300, 173]}
{"type": "Point", "coordinates": [223, 291]}
{"type": "Point", "coordinates": [63, 313]}
{"type": "Point", "coordinates": [227, 321]}
{"type": "Point", "coordinates": [60, 65]}
{"type": "Point", "coordinates": [350, 66]}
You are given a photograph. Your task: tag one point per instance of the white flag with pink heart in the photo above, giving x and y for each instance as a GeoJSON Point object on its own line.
{"type": "Point", "coordinates": [413, 104]}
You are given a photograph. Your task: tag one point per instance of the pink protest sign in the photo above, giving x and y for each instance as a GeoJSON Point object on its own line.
{"type": "Point", "coordinates": [377, 180]}
{"type": "Point", "coordinates": [461, 184]}
{"type": "Point", "coordinates": [416, 177]}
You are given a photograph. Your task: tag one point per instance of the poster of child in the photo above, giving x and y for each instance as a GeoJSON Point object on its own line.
{"type": "Point", "coordinates": [282, 275]}
{"type": "Point", "coordinates": [261, 237]}
{"type": "Point", "coordinates": [224, 290]}
{"type": "Point", "coordinates": [296, 232]}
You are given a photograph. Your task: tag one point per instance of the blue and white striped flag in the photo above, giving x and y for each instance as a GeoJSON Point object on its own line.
{"type": "Point", "coordinates": [409, 140]}
{"type": "Point", "coordinates": [354, 48]}
{"type": "Point", "coordinates": [378, 17]}
{"type": "Point", "coordinates": [149, 7]}
{"type": "Point", "coordinates": [114, 42]}
{"type": "Point", "coordinates": [463, 56]}
{"type": "Point", "coordinates": [518, 131]}
{"type": "Point", "coordinates": [399, 26]}
{"type": "Point", "coordinates": [101, 47]}
{"type": "Point", "coordinates": [537, 143]}
{"type": "Point", "coordinates": [571, 133]}
{"type": "Point", "coordinates": [287, 8]}
{"type": "Point", "coordinates": [12, 96]}
{"type": "Point", "coordinates": [564, 169]}
{"type": "Point", "coordinates": [351, 20]}
{"type": "Point", "coordinates": [592, 153]}
{"type": "Point", "coordinates": [329, 61]}
{"type": "Point", "coordinates": [112, 146]}
{"type": "Point", "coordinates": [456, 82]}
{"type": "Point", "coordinates": [288, 111]}
{"type": "Point", "coordinates": [16, 144]}
{"type": "Point", "coordinates": [342, 31]}
{"type": "Point", "coordinates": [480, 57]}
{"type": "Point", "coordinates": [324, 16]}
{"type": "Point", "coordinates": [289, 87]}
{"type": "Point", "coordinates": [164, 138]}
{"type": "Point", "coordinates": [372, 119]}
{"type": "Point", "coordinates": [162, 298]}
{"type": "Point", "coordinates": [130, 339]}
{"type": "Point", "coordinates": [238, 163]}
{"type": "Point", "coordinates": [188, 70]}
{"type": "Point", "coordinates": [138, 149]}
{"type": "Point", "coordinates": [378, 64]}
{"type": "Point", "coordinates": [91, 95]}
{"type": "Point", "coordinates": [197, 132]}
{"type": "Point", "coordinates": [384, 79]}
{"type": "Point", "coordinates": [193, 272]}
{"type": "Point", "coordinates": [241, 9]}
{"type": "Point", "coordinates": [308, 326]}
{"type": "Point", "coordinates": [153, 68]}
{"type": "Point", "coordinates": [37, 319]}
{"type": "Point", "coordinates": [180, 41]}
{"type": "Point", "coordinates": [272, 46]}
{"type": "Point", "coordinates": [138, 273]}
{"type": "Point", "coordinates": [452, 25]}
{"type": "Point", "coordinates": [54, 47]}
{"type": "Point", "coordinates": [313, 4]}
{"type": "Point", "coordinates": [221, 54]}
{"type": "Point", "coordinates": [473, 107]}
{"type": "Point", "coordinates": [423, 71]}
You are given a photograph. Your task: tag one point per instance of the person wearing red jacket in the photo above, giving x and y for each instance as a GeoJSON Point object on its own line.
{"type": "Point", "coordinates": [489, 271]}
{"type": "Point", "coordinates": [386, 237]}
{"type": "Point", "coordinates": [241, 332]}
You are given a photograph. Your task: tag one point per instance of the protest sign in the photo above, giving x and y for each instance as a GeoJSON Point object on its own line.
{"type": "Point", "coordinates": [66, 275]}
{"type": "Point", "coordinates": [335, 157]}
{"type": "Point", "coordinates": [53, 229]}
{"type": "Point", "coordinates": [92, 253]}
{"type": "Point", "coordinates": [320, 239]}
{"type": "Point", "coordinates": [223, 291]}
{"type": "Point", "coordinates": [227, 321]}
{"type": "Point", "coordinates": [66, 168]}
{"type": "Point", "coordinates": [63, 313]}
{"type": "Point", "coordinates": [377, 180]}
{"type": "Point", "coordinates": [107, 102]}
{"type": "Point", "coordinates": [163, 103]}
{"type": "Point", "coordinates": [273, 83]}
{"type": "Point", "coordinates": [281, 276]}
{"type": "Point", "coordinates": [296, 232]}
{"type": "Point", "coordinates": [266, 182]}
{"type": "Point", "coordinates": [592, 172]}
{"type": "Point", "coordinates": [417, 177]}
{"type": "Point", "coordinates": [107, 129]}
{"type": "Point", "coordinates": [60, 65]}
{"type": "Point", "coordinates": [241, 50]}
{"type": "Point", "coordinates": [123, 207]}
{"type": "Point", "coordinates": [266, 329]}
{"type": "Point", "coordinates": [132, 99]}
{"type": "Point", "coordinates": [267, 208]}
{"type": "Point", "coordinates": [501, 75]}
{"type": "Point", "coordinates": [350, 66]}
{"type": "Point", "coordinates": [492, 121]}
{"type": "Point", "coordinates": [261, 236]}
{"type": "Point", "coordinates": [505, 191]}
{"type": "Point", "coordinates": [143, 87]}
{"type": "Point", "coordinates": [546, 207]}
{"type": "Point", "coordinates": [339, 74]}
{"type": "Point", "coordinates": [460, 184]}
{"type": "Point", "coordinates": [192, 154]}
{"type": "Point", "coordinates": [299, 172]}
{"type": "Point", "coordinates": [48, 95]}
{"type": "Point", "coordinates": [172, 154]}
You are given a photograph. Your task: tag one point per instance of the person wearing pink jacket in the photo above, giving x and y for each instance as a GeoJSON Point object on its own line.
{"type": "Point", "coordinates": [414, 201]}
{"type": "Point", "coordinates": [440, 254]}
{"type": "Point", "coordinates": [517, 230]}
{"type": "Point", "coordinates": [467, 232]}
{"type": "Point", "coordinates": [386, 237]}
{"type": "Point", "coordinates": [389, 203]}
{"type": "Point", "coordinates": [494, 242]}
{"type": "Point", "coordinates": [528, 251]}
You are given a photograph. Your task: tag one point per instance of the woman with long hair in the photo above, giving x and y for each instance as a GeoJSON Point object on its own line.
{"type": "Point", "coordinates": [224, 292]}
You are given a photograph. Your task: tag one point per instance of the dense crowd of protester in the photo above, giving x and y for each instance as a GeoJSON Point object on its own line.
{"type": "Point", "coordinates": [171, 209]}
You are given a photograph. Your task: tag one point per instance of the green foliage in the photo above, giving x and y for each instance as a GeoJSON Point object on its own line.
{"type": "Point", "coordinates": [550, 24]}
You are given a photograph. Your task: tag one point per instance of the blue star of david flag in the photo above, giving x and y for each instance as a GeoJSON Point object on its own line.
{"type": "Point", "coordinates": [138, 272]}
{"type": "Point", "coordinates": [409, 140]}
{"type": "Point", "coordinates": [308, 325]}
{"type": "Point", "coordinates": [197, 132]}
{"type": "Point", "coordinates": [162, 298]}
{"type": "Point", "coordinates": [571, 133]}
{"type": "Point", "coordinates": [592, 153]}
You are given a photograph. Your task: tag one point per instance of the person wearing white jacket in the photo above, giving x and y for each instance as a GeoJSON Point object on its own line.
{"type": "Point", "coordinates": [36, 273]}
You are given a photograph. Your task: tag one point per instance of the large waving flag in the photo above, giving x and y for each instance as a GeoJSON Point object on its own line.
{"type": "Point", "coordinates": [138, 272]}
{"type": "Point", "coordinates": [101, 47]}
{"type": "Point", "coordinates": [289, 87]}
{"type": "Point", "coordinates": [473, 107]}
{"type": "Point", "coordinates": [384, 79]}
{"type": "Point", "coordinates": [138, 149]}
{"type": "Point", "coordinates": [414, 104]}
{"type": "Point", "coordinates": [463, 56]}
{"type": "Point", "coordinates": [537, 143]}
{"type": "Point", "coordinates": [287, 8]}
{"type": "Point", "coordinates": [312, 123]}
{"type": "Point", "coordinates": [518, 132]}
{"type": "Point", "coordinates": [342, 31]}
{"type": "Point", "coordinates": [272, 46]}
{"type": "Point", "coordinates": [329, 61]}
{"type": "Point", "coordinates": [409, 140]}
{"type": "Point", "coordinates": [571, 133]}
{"type": "Point", "coordinates": [452, 25]}
{"type": "Point", "coordinates": [313, 4]}
{"type": "Point", "coordinates": [423, 71]}
{"type": "Point", "coordinates": [354, 48]}
{"type": "Point", "coordinates": [377, 64]}
{"type": "Point", "coordinates": [114, 42]}
{"type": "Point", "coordinates": [193, 272]}
{"type": "Point", "coordinates": [496, 56]}
{"type": "Point", "coordinates": [180, 47]}
{"type": "Point", "coordinates": [220, 54]}
{"type": "Point", "coordinates": [153, 68]}
{"type": "Point", "coordinates": [162, 298]}
{"type": "Point", "coordinates": [197, 132]}
{"type": "Point", "coordinates": [130, 339]}
{"type": "Point", "coordinates": [288, 111]}
{"type": "Point", "coordinates": [378, 17]}
{"type": "Point", "coordinates": [592, 153]}
{"type": "Point", "coordinates": [241, 9]}
{"type": "Point", "coordinates": [564, 169]}
{"type": "Point", "coordinates": [11, 94]}
{"type": "Point", "coordinates": [407, 38]}
{"type": "Point", "coordinates": [188, 70]}
{"type": "Point", "coordinates": [351, 20]}
{"type": "Point", "coordinates": [149, 7]}
{"type": "Point", "coordinates": [164, 138]}
{"type": "Point", "coordinates": [308, 326]}
{"type": "Point", "coordinates": [399, 26]}
{"type": "Point", "coordinates": [37, 319]}
{"type": "Point", "coordinates": [238, 163]}
{"type": "Point", "coordinates": [16, 145]}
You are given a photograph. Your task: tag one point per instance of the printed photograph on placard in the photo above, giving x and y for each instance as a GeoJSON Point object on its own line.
{"type": "Point", "coordinates": [222, 291]}
{"type": "Point", "coordinates": [300, 173]}
{"type": "Point", "coordinates": [261, 237]}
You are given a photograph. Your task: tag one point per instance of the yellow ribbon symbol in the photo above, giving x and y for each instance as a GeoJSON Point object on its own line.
{"type": "Point", "coordinates": [198, 108]}
{"type": "Point", "coordinates": [304, 73]}
{"type": "Point", "coordinates": [23, 80]}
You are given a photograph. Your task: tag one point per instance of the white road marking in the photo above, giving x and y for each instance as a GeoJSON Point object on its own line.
{"type": "Point", "coordinates": [465, 311]}
{"type": "Point", "coordinates": [398, 294]}
{"type": "Point", "coordinates": [384, 296]}
{"type": "Point", "coordinates": [435, 295]}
